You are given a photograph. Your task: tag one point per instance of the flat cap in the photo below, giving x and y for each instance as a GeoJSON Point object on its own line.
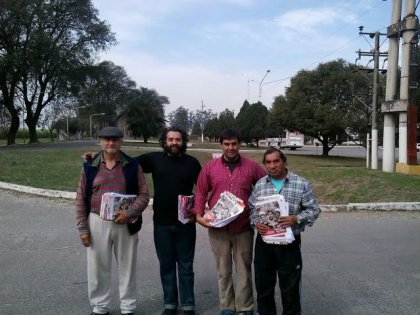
{"type": "Point", "coordinates": [110, 132]}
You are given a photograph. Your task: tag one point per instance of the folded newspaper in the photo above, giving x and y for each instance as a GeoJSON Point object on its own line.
{"type": "Point", "coordinates": [112, 202]}
{"type": "Point", "coordinates": [227, 208]}
{"type": "Point", "coordinates": [270, 209]}
{"type": "Point", "coordinates": [185, 204]}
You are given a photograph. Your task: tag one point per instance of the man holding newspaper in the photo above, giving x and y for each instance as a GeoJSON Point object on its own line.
{"type": "Point", "coordinates": [111, 197]}
{"type": "Point", "coordinates": [281, 204]}
{"type": "Point", "coordinates": [225, 183]}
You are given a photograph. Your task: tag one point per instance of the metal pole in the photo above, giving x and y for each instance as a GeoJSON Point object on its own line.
{"type": "Point", "coordinates": [367, 150]}
{"type": "Point", "coordinates": [375, 104]}
{"type": "Point", "coordinates": [90, 126]}
{"type": "Point", "coordinates": [259, 95]}
{"type": "Point", "coordinates": [388, 160]}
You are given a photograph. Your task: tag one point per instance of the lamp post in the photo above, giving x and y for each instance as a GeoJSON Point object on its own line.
{"type": "Point", "coordinates": [266, 73]}
{"type": "Point", "coordinates": [90, 121]}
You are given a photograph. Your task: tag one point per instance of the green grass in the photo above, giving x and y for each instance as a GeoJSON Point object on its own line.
{"type": "Point", "coordinates": [335, 180]}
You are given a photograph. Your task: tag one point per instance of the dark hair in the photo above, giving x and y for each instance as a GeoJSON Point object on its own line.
{"type": "Point", "coordinates": [184, 136]}
{"type": "Point", "coordinates": [229, 134]}
{"type": "Point", "coordinates": [272, 150]}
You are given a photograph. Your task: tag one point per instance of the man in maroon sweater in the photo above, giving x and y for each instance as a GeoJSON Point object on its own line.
{"type": "Point", "coordinates": [236, 174]}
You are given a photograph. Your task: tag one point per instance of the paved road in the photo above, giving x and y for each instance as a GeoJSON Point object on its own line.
{"type": "Point", "coordinates": [354, 263]}
{"type": "Point", "coordinates": [342, 150]}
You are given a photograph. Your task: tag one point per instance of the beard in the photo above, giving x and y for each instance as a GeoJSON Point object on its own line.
{"type": "Point", "coordinates": [173, 149]}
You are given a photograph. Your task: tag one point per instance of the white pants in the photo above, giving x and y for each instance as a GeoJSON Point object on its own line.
{"type": "Point", "coordinates": [108, 237]}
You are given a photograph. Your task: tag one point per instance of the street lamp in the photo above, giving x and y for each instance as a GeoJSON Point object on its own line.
{"type": "Point", "coordinates": [90, 121]}
{"type": "Point", "coordinates": [262, 82]}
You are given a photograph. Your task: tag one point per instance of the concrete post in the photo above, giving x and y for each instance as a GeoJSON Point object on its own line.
{"type": "Point", "coordinates": [375, 104]}
{"type": "Point", "coordinates": [388, 160]}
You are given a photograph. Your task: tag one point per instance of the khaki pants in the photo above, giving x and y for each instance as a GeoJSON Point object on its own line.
{"type": "Point", "coordinates": [226, 246]}
{"type": "Point", "coordinates": [111, 238]}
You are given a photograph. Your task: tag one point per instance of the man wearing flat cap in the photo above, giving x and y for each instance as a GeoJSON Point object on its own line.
{"type": "Point", "coordinates": [110, 171]}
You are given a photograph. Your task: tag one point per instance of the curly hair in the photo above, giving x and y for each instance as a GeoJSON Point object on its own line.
{"type": "Point", "coordinates": [184, 137]}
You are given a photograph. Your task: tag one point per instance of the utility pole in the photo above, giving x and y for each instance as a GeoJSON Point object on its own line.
{"type": "Point", "coordinates": [388, 159]}
{"type": "Point", "coordinates": [404, 106]}
{"type": "Point", "coordinates": [375, 54]}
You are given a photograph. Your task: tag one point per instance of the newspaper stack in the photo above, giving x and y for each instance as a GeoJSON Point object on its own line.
{"type": "Point", "coordinates": [112, 202]}
{"type": "Point", "coordinates": [227, 208]}
{"type": "Point", "coordinates": [185, 204]}
{"type": "Point", "coordinates": [270, 209]}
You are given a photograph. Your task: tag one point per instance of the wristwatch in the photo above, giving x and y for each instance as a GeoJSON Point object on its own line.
{"type": "Point", "coordinates": [299, 219]}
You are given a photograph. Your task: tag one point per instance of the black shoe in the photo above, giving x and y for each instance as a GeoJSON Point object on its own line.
{"type": "Point", "coordinates": [169, 311]}
{"type": "Point", "coordinates": [93, 313]}
{"type": "Point", "coordinates": [127, 313]}
{"type": "Point", "coordinates": [189, 312]}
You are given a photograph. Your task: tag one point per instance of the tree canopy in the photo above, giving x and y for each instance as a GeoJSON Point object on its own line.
{"type": "Point", "coordinates": [41, 43]}
{"type": "Point", "coordinates": [318, 103]}
{"type": "Point", "coordinates": [146, 115]}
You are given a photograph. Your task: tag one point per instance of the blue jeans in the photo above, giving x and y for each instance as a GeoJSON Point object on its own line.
{"type": "Point", "coordinates": [175, 247]}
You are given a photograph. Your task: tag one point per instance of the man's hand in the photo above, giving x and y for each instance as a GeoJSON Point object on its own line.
{"type": "Point", "coordinates": [262, 228]}
{"type": "Point", "coordinates": [122, 217]}
{"type": "Point", "coordinates": [88, 155]}
{"type": "Point", "coordinates": [85, 238]}
{"type": "Point", "coordinates": [287, 221]}
{"type": "Point", "coordinates": [202, 221]}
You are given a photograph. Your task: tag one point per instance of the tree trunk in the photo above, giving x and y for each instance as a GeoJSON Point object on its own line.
{"type": "Point", "coordinates": [31, 123]}
{"type": "Point", "coordinates": [325, 148]}
{"type": "Point", "coordinates": [14, 127]}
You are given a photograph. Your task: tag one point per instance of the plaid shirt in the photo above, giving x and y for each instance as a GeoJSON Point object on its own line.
{"type": "Point", "coordinates": [296, 191]}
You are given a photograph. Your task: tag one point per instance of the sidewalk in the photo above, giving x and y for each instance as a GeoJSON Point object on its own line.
{"type": "Point", "coordinates": [374, 206]}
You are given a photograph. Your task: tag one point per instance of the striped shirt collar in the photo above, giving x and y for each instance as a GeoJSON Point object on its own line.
{"type": "Point", "coordinates": [99, 159]}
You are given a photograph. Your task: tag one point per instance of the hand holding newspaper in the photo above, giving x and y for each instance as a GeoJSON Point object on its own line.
{"type": "Point", "coordinates": [112, 202]}
{"type": "Point", "coordinates": [227, 208]}
{"type": "Point", "coordinates": [270, 209]}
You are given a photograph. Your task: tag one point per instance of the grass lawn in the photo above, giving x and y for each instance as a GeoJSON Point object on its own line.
{"type": "Point", "coordinates": [335, 180]}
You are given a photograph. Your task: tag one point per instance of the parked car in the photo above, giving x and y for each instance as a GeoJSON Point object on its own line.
{"type": "Point", "coordinates": [418, 147]}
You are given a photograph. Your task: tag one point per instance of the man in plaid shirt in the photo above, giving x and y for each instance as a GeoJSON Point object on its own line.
{"type": "Point", "coordinates": [284, 260]}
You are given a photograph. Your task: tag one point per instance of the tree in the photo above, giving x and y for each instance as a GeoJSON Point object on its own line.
{"type": "Point", "coordinates": [318, 103]}
{"type": "Point", "coordinates": [274, 120]}
{"type": "Point", "coordinates": [212, 129]}
{"type": "Point", "coordinates": [146, 115]}
{"type": "Point", "coordinates": [103, 88]}
{"type": "Point", "coordinates": [41, 43]}
{"type": "Point", "coordinates": [242, 122]}
{"type": "Point", "coordinates": [180, 118]}
{"type": "Point", "coordinates": [259, 123]}
{"type": "Point", "coordinates": [226, 119]}
{"type": "Point", "coordinates": [201, 117]}
{"type": "Point", "coordinates": [196, 129]}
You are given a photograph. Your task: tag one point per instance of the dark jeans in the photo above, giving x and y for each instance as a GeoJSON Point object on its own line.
{"type": "Point", "coordinates": [175, 247]}
{"type": "Point", "coordinates": [284, 261]}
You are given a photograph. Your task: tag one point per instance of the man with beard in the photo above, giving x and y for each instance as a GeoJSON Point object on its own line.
{"type": "Point", "coordinates": [174, 173]}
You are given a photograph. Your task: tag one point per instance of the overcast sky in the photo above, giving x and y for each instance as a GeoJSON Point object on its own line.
{"type": "Point", "coordinates": [218, 51]}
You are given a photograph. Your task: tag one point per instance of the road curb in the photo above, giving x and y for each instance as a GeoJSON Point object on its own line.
{"type": "Point", "coordinates": [368, 206]}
